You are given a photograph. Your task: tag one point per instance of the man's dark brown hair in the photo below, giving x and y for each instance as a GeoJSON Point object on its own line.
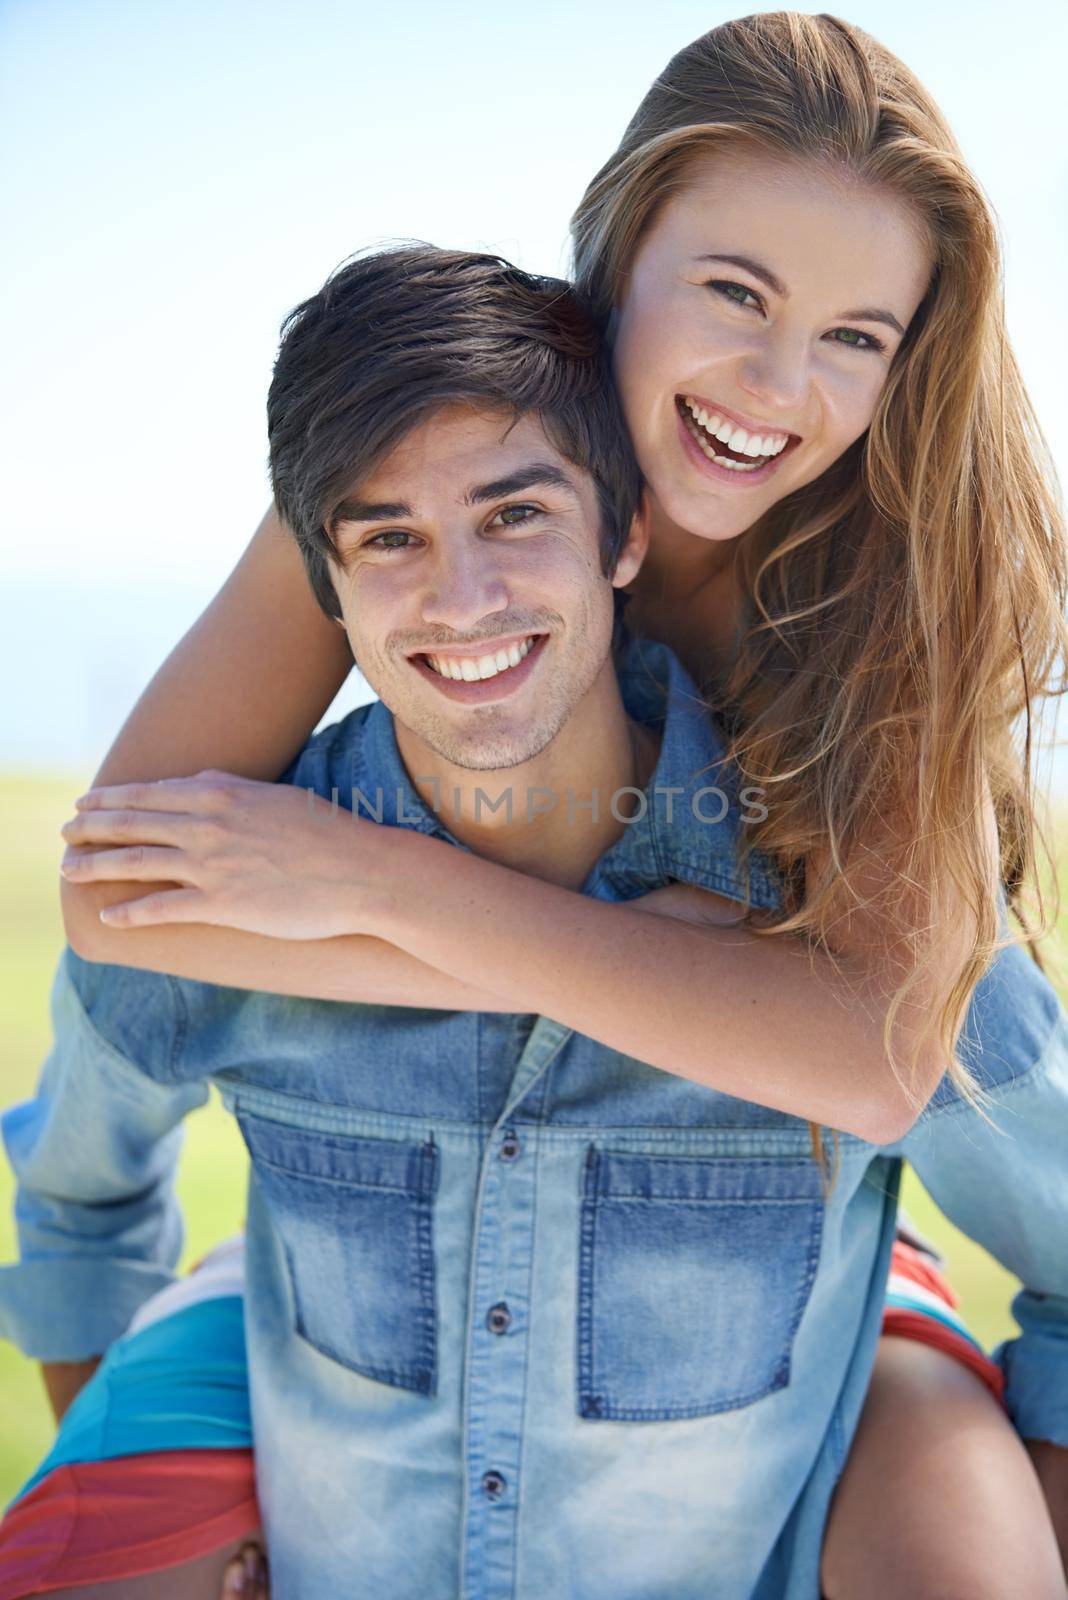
{"type": "Point", "coordinates": [391, 337]}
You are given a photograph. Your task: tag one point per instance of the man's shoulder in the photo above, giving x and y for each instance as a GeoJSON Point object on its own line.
{"type": "Point", "coordinates": [326, 761]}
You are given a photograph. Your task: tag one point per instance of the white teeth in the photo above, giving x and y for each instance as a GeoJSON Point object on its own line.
{"type": "Point", "coordinates": [725, 461]}
{"type": "Point", "coordinates": [469, 669]}
{"type": "Point", "coordinates": [739, 439]}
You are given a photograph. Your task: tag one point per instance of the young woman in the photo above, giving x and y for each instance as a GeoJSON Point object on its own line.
{"type": "Point", "coordinates": [856, 551]}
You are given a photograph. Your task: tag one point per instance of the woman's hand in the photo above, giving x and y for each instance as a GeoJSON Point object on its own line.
{"type": "Point", "coordinates": [263, 857]}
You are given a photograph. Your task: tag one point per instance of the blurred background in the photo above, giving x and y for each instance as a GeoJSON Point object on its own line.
{"type": "Point", "coordinates": [177, 174]}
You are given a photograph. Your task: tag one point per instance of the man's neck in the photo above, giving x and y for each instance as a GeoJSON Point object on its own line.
{"type": "Point", "coordinates": [552, 816]}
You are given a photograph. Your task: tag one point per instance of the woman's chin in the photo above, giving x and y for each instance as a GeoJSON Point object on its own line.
{"type": "Point", "coordinates": [707, 515]}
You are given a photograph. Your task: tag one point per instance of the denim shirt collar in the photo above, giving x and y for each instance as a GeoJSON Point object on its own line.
{"type": "Point", "coordinates": [688, 821]}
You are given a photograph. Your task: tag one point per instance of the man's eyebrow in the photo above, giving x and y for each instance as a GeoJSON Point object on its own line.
{"type": "Point", "coordinates": [765, 275]}
{"type": "Point", "coordinates": [370, 511]}
{"type": "Point", "coordinates": [539, 472]}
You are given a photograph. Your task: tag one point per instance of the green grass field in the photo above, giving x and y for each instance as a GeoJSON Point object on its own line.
{"type": "Point", "coordinates": [212, 1174]}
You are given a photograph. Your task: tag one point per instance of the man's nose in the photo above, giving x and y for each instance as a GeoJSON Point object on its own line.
{"type": "Point", "coordinates": [464, 587]}
{"type": "Point", "coordinates": [777, 371]}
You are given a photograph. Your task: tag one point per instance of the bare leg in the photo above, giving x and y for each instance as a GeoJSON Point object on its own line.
{"type": "Point", "coordinates": [202, 1579]}
{"type": "Point", "coordinates": [938, 1499]}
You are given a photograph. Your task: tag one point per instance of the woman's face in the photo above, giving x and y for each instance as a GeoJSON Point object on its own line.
{"type": "Point", "coordinates": [756, 331]}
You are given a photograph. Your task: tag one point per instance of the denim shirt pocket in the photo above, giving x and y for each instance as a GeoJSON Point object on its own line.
{"type": "Point", "coordinates": [355, 1219]}
{"type": "Point", "coordinates": [694, 1272]}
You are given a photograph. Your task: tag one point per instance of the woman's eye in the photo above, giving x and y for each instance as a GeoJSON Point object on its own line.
{"type": "Point", "coordinates": [514, 516]}
{"type": "Point", "coordinates": [389, 533]}
{"type": "Point", "coordinates": [734, 291]}
{"type": "Point", "coordinates": [855, 339]}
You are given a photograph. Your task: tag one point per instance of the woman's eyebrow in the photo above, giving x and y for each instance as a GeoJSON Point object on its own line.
{"type": "Point", "coordinates": [776, 285]}
{"type": "Point", "coordinates": [870, 315]}
{"type": "Point", "coordinates": [747, 263]}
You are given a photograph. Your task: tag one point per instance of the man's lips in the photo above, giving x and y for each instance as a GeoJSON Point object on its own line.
{"type": "Point", "coordinates": [483, 691]}
{"type": "Point", "coordinates": [483, 647]}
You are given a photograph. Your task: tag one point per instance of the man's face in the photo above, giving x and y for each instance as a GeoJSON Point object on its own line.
{"type": "Point", "coordinates": [471, 587]}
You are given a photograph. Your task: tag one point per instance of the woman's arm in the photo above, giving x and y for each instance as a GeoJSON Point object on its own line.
{"type": "Point", "coordinates": [246, 685]}
{"type": "Point", "coordinates": [356, 967]}
{"type": "Point", "coordinates": [767, 1019]}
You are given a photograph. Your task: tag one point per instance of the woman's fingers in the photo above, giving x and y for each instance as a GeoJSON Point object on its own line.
{"type": "Point", "coordinates": [165, 905]}
{"type": "Point", "coordinates": [157, 827]}
{"type": "Point", "coordinates": [197, 792]}
{"type": "Point", "coordinates": [155, 863]}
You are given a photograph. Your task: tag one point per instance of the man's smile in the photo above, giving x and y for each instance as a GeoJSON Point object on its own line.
{"type": "Point", "coordinates": [481, 677]}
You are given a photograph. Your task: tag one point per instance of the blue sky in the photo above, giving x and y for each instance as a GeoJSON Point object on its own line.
{"type": "Point", "coordinates": [179, 174]}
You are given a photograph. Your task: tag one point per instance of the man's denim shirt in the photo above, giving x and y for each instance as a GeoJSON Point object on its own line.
{"type": "Point", "coordinates": [529, 1317]}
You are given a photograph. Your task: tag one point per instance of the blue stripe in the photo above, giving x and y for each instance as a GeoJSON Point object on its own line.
{"type": "Point", "coordinates": [177, 1384]}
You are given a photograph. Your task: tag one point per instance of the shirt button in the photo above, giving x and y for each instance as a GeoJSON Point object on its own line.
{"type": "Point", "coordinates": [498, 1318]}
{"type": "Point", "coordinates": [493, 1485]}
{"type": "Point", "coordinates": [510, 1147]}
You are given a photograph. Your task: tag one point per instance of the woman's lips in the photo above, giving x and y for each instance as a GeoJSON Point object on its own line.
{"type": "Point", "coordinates": [484, 691]}
{"type": "Point", "coordinates": [737, 479]}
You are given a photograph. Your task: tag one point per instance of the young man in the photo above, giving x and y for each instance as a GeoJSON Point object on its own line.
{"type": "Point", "coordinates": [527, 1317]}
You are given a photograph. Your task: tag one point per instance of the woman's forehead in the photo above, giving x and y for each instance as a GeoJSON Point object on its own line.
{"type": "Point", "coordinates": [816, 229]}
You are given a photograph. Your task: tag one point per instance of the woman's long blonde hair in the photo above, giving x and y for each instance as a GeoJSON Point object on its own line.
{"type": "Point", "coordinates": [904, 609]}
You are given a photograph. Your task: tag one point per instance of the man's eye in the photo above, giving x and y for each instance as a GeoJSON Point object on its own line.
{"type": "Point", "coordinates": [513, 516]}
{"type": "Point", "coordinates": [733, 291]}
{"type": "Point", "coordinates": [389, 533]}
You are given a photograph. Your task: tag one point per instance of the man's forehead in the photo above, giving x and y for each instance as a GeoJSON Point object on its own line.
{"type": "Point", "coordinates": [463, 458]}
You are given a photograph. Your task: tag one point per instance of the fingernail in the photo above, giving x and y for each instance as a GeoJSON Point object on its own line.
{"type": "Point", "coordinates": [82, 798]}
{"type": "Point", "coordinates": [235, 1579]}
{"type": "Point", "coordinates": [253, 1565]}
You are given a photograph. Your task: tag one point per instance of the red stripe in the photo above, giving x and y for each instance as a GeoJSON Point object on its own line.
{"type": "Point", "coordinates": [99, 1520]}
{"type": "Point", "coordinates": [926, 1330]}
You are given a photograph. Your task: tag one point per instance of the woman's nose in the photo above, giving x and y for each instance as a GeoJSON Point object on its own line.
{"type": "Point", "coordinates": [776, 373]}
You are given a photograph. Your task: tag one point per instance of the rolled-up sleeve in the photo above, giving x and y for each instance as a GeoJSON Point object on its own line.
{"type": "Point", "coordinates": [94, 1153]}
{"type": "Point", "coordinates": [1007, 1188]}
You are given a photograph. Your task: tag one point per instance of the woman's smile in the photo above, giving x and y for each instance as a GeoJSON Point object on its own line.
{"type": "Point", "coordinates": [717, 441]}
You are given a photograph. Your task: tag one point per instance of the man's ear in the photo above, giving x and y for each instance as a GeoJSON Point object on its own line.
{"type": "Point", "coordinates": [634, 547]}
